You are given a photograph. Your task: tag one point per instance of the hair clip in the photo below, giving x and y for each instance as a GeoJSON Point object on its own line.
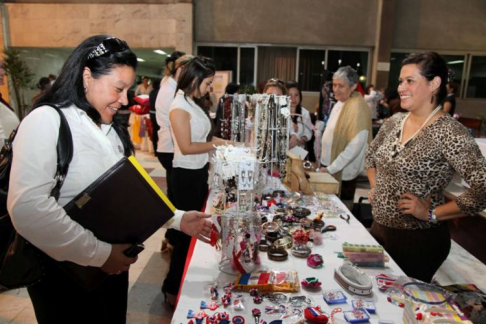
{"type": "Point", "coordinates": [257, 299]}
{"type": "Point", "coordinates": [256, 314]}
{"type": "Point", "coordinates": [315, 315]}
{"type": "Point", "coordinates": [311, 282]}
{"type": "Point", "coordinates": [298, 301]}
{"type": "Point", "coordinates": [315, 261]}
{"type": "Point", "coordinates": [213, 291]}
{"type": "Point", "coordinates": [212, 306]}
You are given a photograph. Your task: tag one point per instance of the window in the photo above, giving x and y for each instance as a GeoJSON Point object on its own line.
{"type": "Point", "coordinates": [247, 65]}
{"type": "Point", "coordinates": [455, 63]}
{"type": "Point", "coordinates": [477, 78]}
{"type": "Point", "coordinates": [276, 62]}
{"type": "Point", "coordinates": [311, 68]}
{"type": "Point", "coordinates": [225, 58]}
{"type": "Point", "coordinates": [356, 59]}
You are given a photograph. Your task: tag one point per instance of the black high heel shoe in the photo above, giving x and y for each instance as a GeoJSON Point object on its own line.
{"type": "Point", "coordinates": [167, 299]}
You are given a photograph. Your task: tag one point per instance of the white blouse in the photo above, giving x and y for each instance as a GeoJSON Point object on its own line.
{"type": "Point", "coordinates": [37, 216]}
{"type": "Point", "coordinates": [304, 126]}
{"type": "Point", "coordinates": [162, 106]}
{"type": "Point", "coordinates": [200, 128]}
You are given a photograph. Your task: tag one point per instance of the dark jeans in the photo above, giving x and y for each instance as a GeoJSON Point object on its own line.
{"type": "Point", "coordinates": [348, 188]}
{"type": "Point", "coordinates": [190, 190]}
{"type": "Point", "coordinates": [59, 299]}
{"type": "Point", "coordinates": [419, 253]}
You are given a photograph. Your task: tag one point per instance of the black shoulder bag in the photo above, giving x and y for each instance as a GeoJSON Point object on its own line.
{"type": "Point", "coordinates": [20, 261]}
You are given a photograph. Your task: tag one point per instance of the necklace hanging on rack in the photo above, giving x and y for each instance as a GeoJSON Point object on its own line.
{"type": "Point", "coordinates": [398, 147]}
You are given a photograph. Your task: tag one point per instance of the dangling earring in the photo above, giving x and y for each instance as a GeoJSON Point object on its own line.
{"type": "Point", "coordinates": [85, 90]}
{"type": "Point", "coordinates": [432, 99]}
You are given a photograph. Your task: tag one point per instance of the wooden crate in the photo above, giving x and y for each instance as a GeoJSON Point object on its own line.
{"type": "Point", "coordinates": [323, 182]}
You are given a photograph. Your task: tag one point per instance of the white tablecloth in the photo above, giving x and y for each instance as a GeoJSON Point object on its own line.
{"type": "Point", "coordinates": [203, 271]}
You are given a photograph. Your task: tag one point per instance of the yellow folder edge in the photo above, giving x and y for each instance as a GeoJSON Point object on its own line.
{"type": "Point", "coordinates": [151, 182]}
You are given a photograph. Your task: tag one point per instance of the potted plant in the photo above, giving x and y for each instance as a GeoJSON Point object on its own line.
{"type": "Point", "coordinates": [21, 78]}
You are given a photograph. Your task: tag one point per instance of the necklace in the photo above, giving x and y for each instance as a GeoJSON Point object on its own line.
{"type": "Point", "coordinates": [397, 148]}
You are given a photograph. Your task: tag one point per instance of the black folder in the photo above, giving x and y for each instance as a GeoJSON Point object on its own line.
{"type": "Point", "coordinates": [124, 205]}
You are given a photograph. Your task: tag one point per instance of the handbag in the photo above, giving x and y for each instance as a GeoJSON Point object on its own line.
{"type": "Point", "coordinates": [142, 106]}
{"type": "Point", "coordinates": [20, 261]}
{"type": "Point", "coordinates": [139, 109]}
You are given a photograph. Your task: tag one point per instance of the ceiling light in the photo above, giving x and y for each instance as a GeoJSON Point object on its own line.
{"type": "Point", "coordinates": [161, 52]}
{"type": "Point", "coordinates": [140, 59]}
{"type": "Point", "coordinates": [455, 62]}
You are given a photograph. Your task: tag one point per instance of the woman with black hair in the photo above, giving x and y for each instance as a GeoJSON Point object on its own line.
{"type": "Point", "coordinates": [323, 111]}
{"type": "Point", "coordinates": [191, 130]}
{"type": "Point", "coordinates": [43, 85]}
{"type": "Point", "coordinates": [410, 163]}
{"type": "Point", "coordinates": [450, 100]}
{"type": "Point", "coordinates": [165, 146]}
{"type": "Point", "coordinates": [301, 130]}
{"type": "Point", "coordinates": [90, 89]}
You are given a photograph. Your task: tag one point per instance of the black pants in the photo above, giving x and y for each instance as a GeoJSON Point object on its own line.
{"type": "Point", "coordinates": [190, 190]}
{"type": "Point", "coordinates": [155, 130]}
{"type": "Point", "coordinates": [348, 188]}
{"type": "Point", "coordinates": [58, 299]}
{"type": "Point", "coordinates": [419, 253]}
{"type": "Point", "coordinates": [166, 160]}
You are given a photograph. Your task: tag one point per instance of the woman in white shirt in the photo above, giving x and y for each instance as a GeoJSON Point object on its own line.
{"type": "Point", "coordinates": [143, 88]}
{"type": "Point", "coordinates": [90, 89]}
{"type": "Point", "coordinates": [191, 130]}
{"type": "Point", "coordinates": [165, 147]}
{"type": "Point", "coordinates": [302, 128]}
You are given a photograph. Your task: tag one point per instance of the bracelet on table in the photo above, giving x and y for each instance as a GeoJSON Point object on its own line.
{"type": "Point", "coordinates": [301, 251]}
{"type": "Point", "coordinates": [270, 227]}
{"type": "Point", "coordinates": [283, 243]}
{"type": "Point", "coordinates": [272, 236]}
{"type": "Point", "coordinates": [276, 254]}
{"type": "Point", "coordinates": [263, 246]}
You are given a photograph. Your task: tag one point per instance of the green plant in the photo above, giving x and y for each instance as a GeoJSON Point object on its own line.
{"type": "Point", "coordinates": [248, 89]}
{"type": "Point", "coordinates": [21, 77]}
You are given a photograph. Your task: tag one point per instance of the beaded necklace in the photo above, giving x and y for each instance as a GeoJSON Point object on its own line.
{"type": "Point", "coordinates": [397, 147]}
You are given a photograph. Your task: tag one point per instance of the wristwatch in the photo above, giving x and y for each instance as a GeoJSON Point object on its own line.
{"type": "Point", "coordinates": [432, 217]}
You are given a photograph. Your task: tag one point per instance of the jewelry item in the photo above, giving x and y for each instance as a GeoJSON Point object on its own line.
{"type": "Point", "coordinates": [276, 254]}
{"type": "Point", "coordinates": [315, 261]}
{"type": "Point", "coordinates": [398, 147]}
{"type": "Point", "coordinates": [283, 243]}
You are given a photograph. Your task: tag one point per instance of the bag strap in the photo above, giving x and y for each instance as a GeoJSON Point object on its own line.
{"type": "Point", "coordinates": [64, 153]}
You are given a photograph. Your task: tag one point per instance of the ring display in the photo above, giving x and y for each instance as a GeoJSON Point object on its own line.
{"type": "Point", "coordinates": [277, 254]}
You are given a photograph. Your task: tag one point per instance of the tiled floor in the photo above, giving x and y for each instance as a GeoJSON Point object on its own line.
{"type": "Point", "coordinates": [145, 301]}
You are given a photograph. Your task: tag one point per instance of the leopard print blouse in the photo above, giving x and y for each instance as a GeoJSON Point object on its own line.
{"type": "Point", "coordinates": [425, 166]}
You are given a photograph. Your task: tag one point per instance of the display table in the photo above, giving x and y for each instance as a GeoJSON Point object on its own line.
{"type": "Point", "coordinates": [203, 271]}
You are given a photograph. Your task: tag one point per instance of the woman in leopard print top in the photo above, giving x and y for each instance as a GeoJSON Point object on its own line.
{"type": "Point", "coordinates": [410, 163]}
